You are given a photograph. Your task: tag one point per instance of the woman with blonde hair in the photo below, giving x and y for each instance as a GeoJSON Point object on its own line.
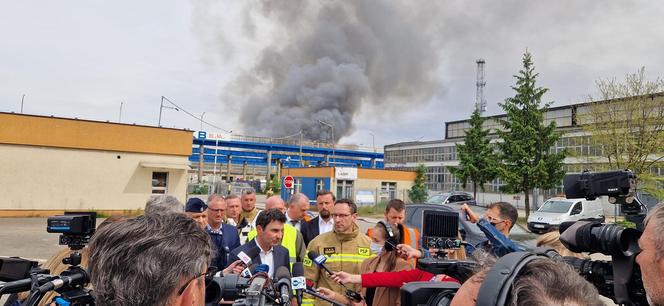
{"type": "Point", "coordinates": [552, 240]}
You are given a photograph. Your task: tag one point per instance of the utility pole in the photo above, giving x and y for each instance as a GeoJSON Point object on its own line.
{"type": "Point", "coordinates": [373, 141]}
{"type": "Point", "coordinates": [331, 126]}
{"type": "Point", "coordinates": [22, 98]}
{"type": "Point", "coordinates": [301, 136]}
{"type": "Point", "coordinates": [120, 116]}
{"type": "Point", "coordinates": [161, 107]}
{"type": "Point", "coordinates": [202, 121]}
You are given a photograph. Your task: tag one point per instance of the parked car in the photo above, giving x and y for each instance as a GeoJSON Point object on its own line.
{"type": "Point", "coordinates": [558, 210]}
{"type": "Point", "coordinates": [452, 198]}
{"type": "Point", "coordinates": [469, 231]}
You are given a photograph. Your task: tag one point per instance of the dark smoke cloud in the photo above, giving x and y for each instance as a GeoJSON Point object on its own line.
{"type": "Point", "coordinates": [330, 58]}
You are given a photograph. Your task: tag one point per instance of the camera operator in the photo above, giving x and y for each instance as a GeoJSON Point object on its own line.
{"type": "Point", "coordinates": [150, 260]}
{"type": "Point", "coordinates": [496, 224]}
{"type": "Point", "coordinates": [651, 258]}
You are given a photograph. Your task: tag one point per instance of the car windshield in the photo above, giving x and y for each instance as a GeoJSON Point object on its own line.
{"type": "Point", "coordinates": [555, 207]}
{"type": "Point", "coordinates": [437, 199]}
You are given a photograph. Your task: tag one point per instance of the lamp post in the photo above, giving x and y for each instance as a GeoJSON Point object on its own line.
{"type": "Point", "coordinates": [331, 126]}
{"type": "Point", "coordinates": [161, 107]}
{"type": "Point", "coordinates": [120, 115]}
{"type": "Point", "coordinates": [373, 141]}
{"type": "Point", "coordinates": [22, 98]}
{"type": "Point", "coordinates": [203, 114]}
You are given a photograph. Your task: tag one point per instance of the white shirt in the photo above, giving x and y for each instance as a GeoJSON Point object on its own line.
{"type": "Point", "coordinates": [297, 225]}
{"type": "Point", "coordinates": [324, 227]}
{"type": "Point", "coordinates": [267, 258]}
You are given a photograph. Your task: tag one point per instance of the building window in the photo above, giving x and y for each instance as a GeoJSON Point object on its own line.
{"type": "Point", "coordinates": [344, 189]}
{"type": "Point", "coordinates": [389, 189]}
{"type": "Point", "coordinates": [160, 182]}
{"type": "Point", "coordinates": [320, 185]}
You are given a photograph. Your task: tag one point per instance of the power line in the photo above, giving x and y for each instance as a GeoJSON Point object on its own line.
{"type": "Point", "coordinates": [196, 117]}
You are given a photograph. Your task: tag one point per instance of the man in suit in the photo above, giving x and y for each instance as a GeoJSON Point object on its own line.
{"type": "Point", "coordinates": [224, 236]}
{"type": "Point", "coordinates": [269, 232]}
{"type": "Point", "coordinates": [323, 223]}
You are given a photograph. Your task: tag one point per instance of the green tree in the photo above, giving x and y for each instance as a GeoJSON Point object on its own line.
{"type": "Point", "coordinates": [477, 161]}
{"type": "Point", "coordinates": [418, 193]}
{"type": "Point", "coordinates": [626, 124]}
{"type": "Point", "coordinates": [526, 159]}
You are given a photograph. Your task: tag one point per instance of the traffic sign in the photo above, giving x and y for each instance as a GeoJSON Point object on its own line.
{"type": "Point", "coordinates": [289, 181]}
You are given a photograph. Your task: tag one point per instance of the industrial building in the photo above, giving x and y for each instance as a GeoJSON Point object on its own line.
{"type": "Point", "coordinates": [52, 164]}
{"type": "Point", "coordinates": [439, 155]}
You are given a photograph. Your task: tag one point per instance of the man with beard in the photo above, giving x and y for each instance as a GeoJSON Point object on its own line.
{"type": "Point", "coordinates": [323, 223]}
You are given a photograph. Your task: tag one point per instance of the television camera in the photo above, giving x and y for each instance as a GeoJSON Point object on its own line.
{"type": "Point", "coordinates": [23, 275]}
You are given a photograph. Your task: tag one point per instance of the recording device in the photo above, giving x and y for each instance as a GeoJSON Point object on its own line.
{"type": "Point", "coordinates": [619, 186]}
{"type": "Point", "coordinates": [314, 292]}
{"type": "Point", "coordinates": [440, 230]}
{"type": "Point", "coordinates": [618, 279]}
{"type": "Point", "coordinates": [247, 260]}
{"type": "Point", "coordinates": [76, 229]}
{"type": "Point", "coordinates": [298, 282]}
{"type": "Point", "coordinates": [257, 290]}
{"type": "Point", "coordinates": [319, 260]}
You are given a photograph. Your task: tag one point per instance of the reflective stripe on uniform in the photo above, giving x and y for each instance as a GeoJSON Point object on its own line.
{"type": "Point", "coordinates": [308, 301]}
{"type": "Point", "coordinates": [348, 258]}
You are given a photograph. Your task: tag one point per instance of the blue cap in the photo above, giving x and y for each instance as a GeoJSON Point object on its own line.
{"type": "Point", "coordinates": [195, 205]}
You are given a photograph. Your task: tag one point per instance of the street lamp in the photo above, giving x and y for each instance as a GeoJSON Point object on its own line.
{"type": "Point", "coordinates": [203, 114]}
{"type": "Point", "coordinates": [161, 107]}
{"type": "Point", "coordinates": [373, 141]}
{"type": "Point", "coordinates": [22, 98]}
{"type": "Point", "coordinates": [331, 126]}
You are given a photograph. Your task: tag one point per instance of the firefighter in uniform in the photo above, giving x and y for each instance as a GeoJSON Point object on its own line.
{"type": "Point", "coordinates": [345, 248]}
{"type": "Point", "coordinates": [395, 213]}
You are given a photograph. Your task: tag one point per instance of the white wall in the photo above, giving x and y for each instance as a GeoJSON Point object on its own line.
{"type": "Point", "coordinates": [42, 178]}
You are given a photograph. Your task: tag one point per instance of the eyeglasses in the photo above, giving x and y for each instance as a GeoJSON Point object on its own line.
{"type": "Point", "coordinates": [208, 278]}
{"type": "Point", "coordinates": [493, 220]}
{"type": "Point", "coordinates": [343, 216]}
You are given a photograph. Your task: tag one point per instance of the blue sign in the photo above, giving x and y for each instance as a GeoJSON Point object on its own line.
{"type": "Point", "coordinates": [202, 134]}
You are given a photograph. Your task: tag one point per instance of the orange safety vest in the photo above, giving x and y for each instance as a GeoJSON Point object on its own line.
{"type": "Point", "coordinates": [411, 237]}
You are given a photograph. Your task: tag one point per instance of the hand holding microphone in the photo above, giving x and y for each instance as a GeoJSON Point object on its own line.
{"type": "Point", "coordinates": [320, 261]}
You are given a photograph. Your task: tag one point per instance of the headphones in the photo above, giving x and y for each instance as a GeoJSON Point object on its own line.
{"type": "Point", "coordinates": [391, 242]}
{"type": "Point", "coordinates": [497, 285]}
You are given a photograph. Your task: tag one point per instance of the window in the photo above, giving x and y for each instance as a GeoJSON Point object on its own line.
{"type": "Point", "coordinates": [160, 182]}
{"type": "Point", "coordinates": [389, 188]}
{"type": "Point", "coordinates": [320, 185]}
{"type": "Point", "coordinates": [344, 189]}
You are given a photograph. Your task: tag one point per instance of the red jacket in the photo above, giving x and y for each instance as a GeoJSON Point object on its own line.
{"type": "Point", "coordinates": [397, 279]}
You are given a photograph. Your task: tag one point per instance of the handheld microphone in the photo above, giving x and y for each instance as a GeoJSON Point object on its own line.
{"type": "Point", "coordinates": [247, 260]}
{"type": "Point", "coordinates": [283, 286]}
{"type": "Point", "coordinates": [310, 290]}
{"type": "Point", "coordinates": [298, 282]}
{"type": "Point", "coordinates": [258, 281]}
{"type": "Point", "coordinates": [320, 261]}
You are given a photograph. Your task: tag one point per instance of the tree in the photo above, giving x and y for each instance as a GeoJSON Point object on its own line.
{"type": "Point", "coordinates": [526, 159]}
{"type": "Point", "coordinates": [626, 124]}
{"type": "Point", "coordinates": [418, 193]}
{"type": "Point", "coordinates": [477, 160]}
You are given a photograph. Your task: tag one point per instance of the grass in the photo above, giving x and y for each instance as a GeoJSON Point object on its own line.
{"type": "Point", "coordinates": [372, 211]}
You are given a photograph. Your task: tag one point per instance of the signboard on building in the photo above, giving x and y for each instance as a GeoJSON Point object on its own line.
{"type": "Point", "coordinates": [365, 197]}
{"type": "Point", "coordinates": [210, 136]}
{"type": "Point", "coordinates": [345, 173]}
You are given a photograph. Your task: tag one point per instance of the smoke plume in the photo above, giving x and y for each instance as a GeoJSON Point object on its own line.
{"type": "Point", "coordinates": [327, 59]}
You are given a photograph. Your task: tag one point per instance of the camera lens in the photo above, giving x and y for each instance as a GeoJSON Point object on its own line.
{"type": "Point", "coordinates": [608, 239]}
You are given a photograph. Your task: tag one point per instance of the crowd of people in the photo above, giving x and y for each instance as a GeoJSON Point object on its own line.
{"type": "Point", "coordinates": [164, 256]}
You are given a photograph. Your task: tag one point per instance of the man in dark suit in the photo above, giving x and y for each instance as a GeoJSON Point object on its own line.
{"type": "Point", "coordinates": [224, 236]}
{"type": "Point", "coordinates": [323, 223]}
{"type": "Point", "coordinates": [269, 232]}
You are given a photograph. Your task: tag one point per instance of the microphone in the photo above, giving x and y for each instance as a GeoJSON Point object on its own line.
{"type": "Point", "coordinates": [298, 282]}
{"type": "Point", "coordinates": [319, 260]}
{"type": "Point", "coordinates": [258, 281]}
{"type": "Point", "coordinates": [283, 286]}
{"type": "Point", "coordinates": [247, 260]}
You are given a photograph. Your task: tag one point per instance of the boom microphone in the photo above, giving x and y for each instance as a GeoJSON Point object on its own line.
{"type": "Point", "coordinates": [283, 286]}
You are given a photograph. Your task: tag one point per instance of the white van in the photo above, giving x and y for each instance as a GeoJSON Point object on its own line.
{"type": "Point", "coordinates": [558, 210]}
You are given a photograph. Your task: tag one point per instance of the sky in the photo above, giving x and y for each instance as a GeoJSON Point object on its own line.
{"type": "Point", "coordinates": [410, 65]}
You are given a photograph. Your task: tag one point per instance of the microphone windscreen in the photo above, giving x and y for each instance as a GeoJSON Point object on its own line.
{"type": "Point", "coordinates": [298, 269]}
{"type": "Point", "coordinates": [262, 268]}
{"type": "Point", "coordinates": [312, 255]}
{"type": "Point", "coordinates": [282, 272]}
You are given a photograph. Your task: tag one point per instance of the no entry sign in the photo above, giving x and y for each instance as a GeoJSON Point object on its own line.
{"type": "Point", "coordinates": [289, 181]}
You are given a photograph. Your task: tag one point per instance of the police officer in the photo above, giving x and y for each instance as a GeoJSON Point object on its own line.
{"type": "Point", "coordinates": [197, 210]}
